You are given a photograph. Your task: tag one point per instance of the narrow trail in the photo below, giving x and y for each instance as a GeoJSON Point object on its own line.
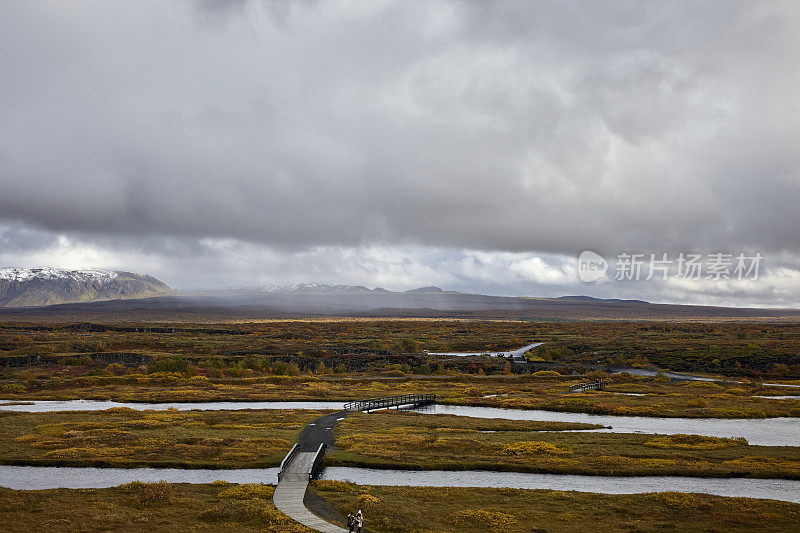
{"type": "Point", "coordinates": [291, 490]}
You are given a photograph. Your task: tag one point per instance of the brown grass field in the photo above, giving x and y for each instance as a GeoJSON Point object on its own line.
{"type": "Point", "coordinates": [512, 510]}
{"type": "Point", "coordinates": [145, 507]}
{"type": "Point", "coordinates": [392, 439]}
{"type": "Point", "coordinates": [222, 507]}
{"type": "Point", "coordinates": [122, 437]}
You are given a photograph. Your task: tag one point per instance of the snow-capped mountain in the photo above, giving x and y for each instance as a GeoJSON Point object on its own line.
{"type": "Point", "coordinates": [27, 274]}
{"type": "Point", "coordinates": [24, 287]}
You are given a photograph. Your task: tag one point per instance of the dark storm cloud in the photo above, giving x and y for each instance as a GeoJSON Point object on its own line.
{"type": "Point", "coordinates": [377, 142]}
{"type": "Point", "coordinates": [513, 126]}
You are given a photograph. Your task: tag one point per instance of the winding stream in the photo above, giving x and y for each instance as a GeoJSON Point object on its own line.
{"type": "Point", "coordinates": [41, 406]}
{"type": "Point", "coordinates": [759, 431]}
{"type": "Point", "coordinates": [45, 477]}
{"type": "Point", "coordinates": [774, 489]}
{"type": "Point", "coordinates": [680, 376]}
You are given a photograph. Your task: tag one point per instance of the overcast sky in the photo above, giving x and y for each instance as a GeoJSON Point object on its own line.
{"type": "Point", "coordinates": [473, 145]}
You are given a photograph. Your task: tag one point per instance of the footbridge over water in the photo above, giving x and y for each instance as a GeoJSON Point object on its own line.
{"type": "Point", "coordinates": [582, 387]}
{"type": "Point", "coordinates": [517, 355]}
{"type": "Point", "coordinates": [405, 400]}
{"type": "Point", "coordinates": [300, 466]}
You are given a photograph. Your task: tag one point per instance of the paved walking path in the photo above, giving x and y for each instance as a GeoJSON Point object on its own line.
{"type": "Point", "coordinates": [291, 490]}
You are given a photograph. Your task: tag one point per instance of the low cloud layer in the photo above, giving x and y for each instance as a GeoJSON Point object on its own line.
{"type": "Point", "coordinates": [477, 146]}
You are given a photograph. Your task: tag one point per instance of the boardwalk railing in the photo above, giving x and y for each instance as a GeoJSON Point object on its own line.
{"type": "Point", "coordinates": [412, 400]}
{"type": "Point", "coordinates": [317, 464]}
{"type": "Point", "coordinates": [593, 385]}
{"type": "Point", "coordinates": [286, 461]}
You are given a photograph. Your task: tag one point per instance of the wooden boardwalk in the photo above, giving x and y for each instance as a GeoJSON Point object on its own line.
{"type": "Point", "coordinates": [296, 473]}
{"type": "Point", "coordinates": [303, 460]}
{"type": "Point", "coordinates": [291, 490]}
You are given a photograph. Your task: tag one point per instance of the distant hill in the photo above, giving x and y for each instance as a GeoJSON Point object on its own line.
{"type": "Point", "coordinates": [425, 290]}
{"type": "Point", "coordinates": [593, 299]}
{"type": "Point", "coordinates": [325, 289]}
{"type": "Point", "coordinates": [31, 287]}
{"type": "Point", "coordinates": [320, 301]}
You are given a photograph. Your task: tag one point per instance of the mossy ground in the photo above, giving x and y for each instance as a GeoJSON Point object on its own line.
{"type": "Point", "coordinates": [144, 507]}
{"type": "Point", "coordinates": [399, 509]}
{"type": "Point", "coordinates": [219, 507]}
{"type": "Point", "coordinates": [122, 437]}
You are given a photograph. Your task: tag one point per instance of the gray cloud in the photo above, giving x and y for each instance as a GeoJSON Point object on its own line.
{"type": "Point", "coordinates": [521, 127]}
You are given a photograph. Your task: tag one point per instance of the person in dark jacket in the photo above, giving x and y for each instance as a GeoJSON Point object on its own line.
{"type": "Point", "coordinates": [351, 521]}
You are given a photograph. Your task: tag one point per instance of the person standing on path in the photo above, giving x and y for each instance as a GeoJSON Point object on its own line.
{"type": "Point", "coordinates": [351, 521]}
{"type": "Point", "coordinates": [359, 520]}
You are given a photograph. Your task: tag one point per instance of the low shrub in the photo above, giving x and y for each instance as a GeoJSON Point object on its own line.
{"type": "Point", "coordinates": [697, 402]}
{"type": "Point", "coordinates": [681, 501]}
{"type": "Point", "coordinates": [366, 501]}
{"type": "Point", "coordinates": [132, 486]}
{"type": "Point", "coordinates": [160, 491]}
{"type": "Point", "coordinates": [198, 381]}
{"type": "Point", "coordinates": [494, 520]}
{"type": "Point", "coordinates": [534, 448]}
{"type": "Point", "coordinates": [694, 442]}
{"type": "Point", "coordinates": [175, 363]}
{"type": "Point", "coordinates": [78, 360]}
{"type": "Point", "coordinates": [595, 375]}
{"type": "Point", "coordinates": [764, 465]}
{"type": "Point", "coordinates": [256, 512]}
{"type": "Point", "coordinates": [115, 369]}
{"type": "Point", "coordinates": [166, 378]}
{"type": "Point", "coordinates": [280, 368]}
{"type": "Point", "coordinates": [13, 387]}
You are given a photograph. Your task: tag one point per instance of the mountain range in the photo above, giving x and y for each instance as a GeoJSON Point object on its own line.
{"type": "Point", "coordinates": [37, 287]}
{"type": "Point", "coordinates": [55, 294]}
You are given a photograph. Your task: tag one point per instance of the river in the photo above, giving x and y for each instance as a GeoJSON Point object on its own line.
{"type": "Point", "coordinates": [46, 477]}
{"type": "Point", "coordinates": [758, 431]}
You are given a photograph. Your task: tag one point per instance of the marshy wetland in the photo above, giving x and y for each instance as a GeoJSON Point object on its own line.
{"type": "Point", "coordinates": [198, 404]}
